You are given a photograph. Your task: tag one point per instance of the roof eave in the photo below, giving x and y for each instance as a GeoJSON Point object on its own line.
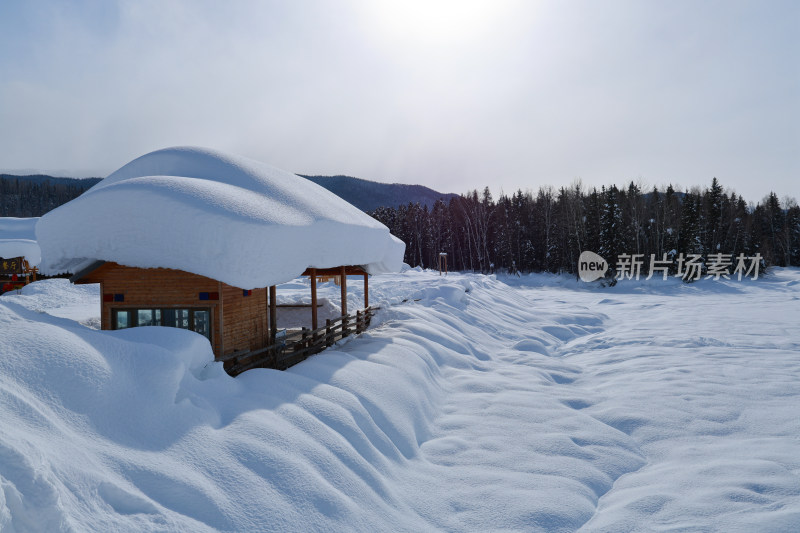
{"type": "Point", "coordinates": [85, 271]}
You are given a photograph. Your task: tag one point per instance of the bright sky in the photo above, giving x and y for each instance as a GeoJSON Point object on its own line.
{"type": "Point", "coordinates": [452, 94]}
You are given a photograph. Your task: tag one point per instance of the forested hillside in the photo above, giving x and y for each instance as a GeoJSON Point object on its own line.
{"type": "Point", "coordinates": [33, 196]}
{"type": "Point", "coordinates": [548, 230]}
{"type": "Point", "coordinates": [369, 195]}
{"type": "Point", "coordinates": [29, 196]}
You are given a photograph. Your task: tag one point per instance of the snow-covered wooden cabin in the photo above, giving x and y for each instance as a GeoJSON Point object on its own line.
{"type": "Point", "coordinates": [198, 239]}
{"type": "Point", "coordinates": [19, 252]}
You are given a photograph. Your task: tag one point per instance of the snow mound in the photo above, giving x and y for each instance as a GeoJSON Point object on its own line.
{"type": "Point", "coordinates": [60, 298]}
{"type": "Point", "coordinates": [18, 239]}
{"type": "Point", "coordinates": [409, 427]}
{"type": "Point", "coordinates": [225, 217]}
{"type": "Point", "coordinates": [470, 406]}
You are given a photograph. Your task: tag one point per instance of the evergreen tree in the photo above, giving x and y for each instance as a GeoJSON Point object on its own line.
{"type": "Point", "coordinates": [793, 235]}
{"type": "Point", "coordinates": [689, 240]}
{"type": "Point", "coordinates": [591, 220]}
{"type": "Point", "coordinates": [713, 205]}
{"type": "Point", "coordinates": [610, 225]}
{"type": "Point", "coordinates": [773, 229]}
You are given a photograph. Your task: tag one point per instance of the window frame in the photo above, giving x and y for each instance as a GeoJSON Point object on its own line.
{"type": "Point", "coordinates": [134, 317]}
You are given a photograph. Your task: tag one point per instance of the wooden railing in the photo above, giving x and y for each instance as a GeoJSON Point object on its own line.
{"type": "Point", "coordinates": [298, 345]}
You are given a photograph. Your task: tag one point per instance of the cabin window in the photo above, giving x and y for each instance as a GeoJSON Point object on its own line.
{"type": "Point", "coordinates": [175, 318]}
{"type": "Point", "coordinates": [148, 317]}
{"type": "Point", "coordinates": [198, 320]}
{"type": "Point", "coordinates": [202, 322]}
{"type": "Point", "coordinates": [122, 319]}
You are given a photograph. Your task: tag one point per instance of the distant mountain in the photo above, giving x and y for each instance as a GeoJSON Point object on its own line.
{"type": "Point", "coordinates": [369, 195]}
{"type": "Point", "coordinates": [34, 195]}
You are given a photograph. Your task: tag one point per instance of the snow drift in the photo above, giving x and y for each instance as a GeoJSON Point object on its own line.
{"type": "Point", "coordinates": [470, 406]}
{"type": "Point", "coordinates": [225, 217]}
{"type": "Point", "coordinates": [18, 239]}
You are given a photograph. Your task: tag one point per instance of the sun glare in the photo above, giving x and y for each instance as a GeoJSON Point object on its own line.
{"type": "Point", "coordinates": [433, 22]}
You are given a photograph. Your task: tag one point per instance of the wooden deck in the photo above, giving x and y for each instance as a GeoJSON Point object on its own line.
{"type": "Point", "coordinates": [298, 345]}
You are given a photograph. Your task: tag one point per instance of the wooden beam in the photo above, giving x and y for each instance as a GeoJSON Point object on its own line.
{"type": "Point", "coordinates": [313, 274]}
{"type": "Point", "coordinates": [343, 274]}
{"type": "Point", "coordinates": [336, 271]}
{"type": "Point", "coordinates": [366, 290]}
{"type": "Point", "coordinates": [273, 317]}
{"type": "Point", "coordinates": [105, 311]}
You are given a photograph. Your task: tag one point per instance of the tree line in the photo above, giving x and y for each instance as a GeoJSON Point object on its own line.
{"type": "Point", "coordinates": [33, 196]}
{"type": "Point", "coordinates": [547, 231]}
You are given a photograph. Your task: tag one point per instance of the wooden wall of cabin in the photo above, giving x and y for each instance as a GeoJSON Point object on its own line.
{"type": "Point", "coordinates": [159, 288]}
{"type": "Point", "coordinates": [244, 318]}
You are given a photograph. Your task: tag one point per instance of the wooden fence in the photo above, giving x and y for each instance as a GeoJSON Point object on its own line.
{"type": "Point", "coordinates": [298, 345]}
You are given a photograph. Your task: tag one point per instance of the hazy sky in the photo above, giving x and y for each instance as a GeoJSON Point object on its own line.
{"type": "Point", "coordinates": [453, 94]}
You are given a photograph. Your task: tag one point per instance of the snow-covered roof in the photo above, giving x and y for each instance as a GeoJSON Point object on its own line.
{"type": "Point", "coordinates": [226, 217]}
{"type": "Point", "coordinates": [18, 239]}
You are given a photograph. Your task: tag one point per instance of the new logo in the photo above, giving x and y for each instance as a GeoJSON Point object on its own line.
{"type": "Point", "coordinates": [591, 266]}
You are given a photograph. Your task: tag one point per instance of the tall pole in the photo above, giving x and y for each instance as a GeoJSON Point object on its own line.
{"type": "Point", "coordinates": [366, 290]}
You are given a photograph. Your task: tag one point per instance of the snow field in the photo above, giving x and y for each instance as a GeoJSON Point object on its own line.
{"type": "Point", "coordinates": [473, 404]}
{"type": "Point", "coordinates": [705, 379]}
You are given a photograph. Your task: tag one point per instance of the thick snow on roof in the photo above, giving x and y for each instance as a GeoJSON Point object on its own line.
{"type": "Point", "coordinates": [18, 239]}
{"type": "Point", "coordinates": [226, 217]}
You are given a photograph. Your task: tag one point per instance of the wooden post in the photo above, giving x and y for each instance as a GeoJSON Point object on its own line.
{"type": "Point", "coordinates": [273, 317]}
{"type": "Point", "coordinates": [313, 273]}
{"type": "Point", "coordinates": [343, 274]}
{"type": "Point", "coordinates": [328, 340]}
{"type": "Point", "coordinates": [267, 338]}
{"type": "Point", "coordinates": [366, 290]}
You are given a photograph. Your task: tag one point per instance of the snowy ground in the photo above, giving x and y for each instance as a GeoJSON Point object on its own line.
{"type": "Point", "coordinates": [528, 404]}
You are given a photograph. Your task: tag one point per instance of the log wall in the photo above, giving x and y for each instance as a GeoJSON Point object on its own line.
{"type": "Point", "coordinates": [237, 321]}
{"type": "Point", "coordinates": [244, 319]}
